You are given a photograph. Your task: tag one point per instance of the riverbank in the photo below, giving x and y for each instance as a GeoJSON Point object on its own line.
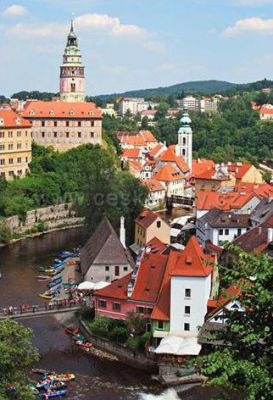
{"type": "Point", "coordinates": [38, 234]}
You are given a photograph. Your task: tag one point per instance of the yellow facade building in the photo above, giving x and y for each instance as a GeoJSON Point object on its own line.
{"type": "Point", "coordinates": [15, 144]}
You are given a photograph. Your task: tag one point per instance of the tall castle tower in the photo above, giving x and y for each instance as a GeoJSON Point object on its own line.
{"type": "Point", "coordinates": [184, 146]}
{"type": "Point", "coordinates": [72, 71]}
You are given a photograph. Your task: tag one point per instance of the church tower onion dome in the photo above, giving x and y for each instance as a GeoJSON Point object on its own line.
{"type": "Point", "coordinates": [72, 71]}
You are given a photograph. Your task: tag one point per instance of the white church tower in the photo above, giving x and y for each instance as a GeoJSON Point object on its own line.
{"type": "Point", "coordinates": [184, 146]}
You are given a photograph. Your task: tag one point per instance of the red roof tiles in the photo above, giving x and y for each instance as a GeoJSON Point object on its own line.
{"type": "Point", "coordinates": [170, 156]}
{"type": "Point", "coordinates": [13, 120]}
{"type": "Point", "coordinates": [146, 218]}
{"type": "Point", "coordinates": [153, 185]}
{"type": "Point", "coordinates": [222, 201]}
{"type": "Point", "coordinates": [168, 174]}
{"type": "Point", "coordinates": [131, 153]}
{"type": "Point", "coordinates": [59, 109]}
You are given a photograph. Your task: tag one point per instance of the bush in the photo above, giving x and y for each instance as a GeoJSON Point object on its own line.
{"type": "Point", "coordinates": [87, 313]}
{"type": "Point", "coordinates": [5, 232]}
{"type": "Point", "coordinates": [111, 329]}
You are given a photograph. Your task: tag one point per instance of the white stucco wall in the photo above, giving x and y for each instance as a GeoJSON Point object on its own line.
{"type": "Point", "coordinates": [200, 292]}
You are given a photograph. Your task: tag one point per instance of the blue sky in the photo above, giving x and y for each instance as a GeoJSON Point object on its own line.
{"type": "Point", "coordinates": [130, 44]}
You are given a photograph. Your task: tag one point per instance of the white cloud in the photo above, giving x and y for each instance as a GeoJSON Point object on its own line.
{"type": "Point", "coordinates": [250, 25]}
{"type": "Point", "coordinates": [39, 31]}
{"type": "Point", "coordinates": [109, 24]}
{"type": "Point", "coordinates": [15, 10]}
{"type": "Point", "coordinates": [87, 23]}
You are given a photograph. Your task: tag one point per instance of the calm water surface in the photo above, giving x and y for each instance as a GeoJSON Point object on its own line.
{"type": "Point", "coordinates": [96, 379]}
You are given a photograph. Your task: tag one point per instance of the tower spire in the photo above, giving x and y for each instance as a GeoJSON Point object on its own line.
{"type": "Point", "coordinates": [72, 26]}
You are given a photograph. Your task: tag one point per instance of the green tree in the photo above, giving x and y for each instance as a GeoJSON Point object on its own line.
{"type": "Point", "coordinates": [17, 355]}
{"type": "Point", "coordinates": [245, 363]}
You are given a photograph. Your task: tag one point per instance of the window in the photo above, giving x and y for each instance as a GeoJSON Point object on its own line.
{"type": "Point", "coordinates": [19, 159]}
{"type": "Point", "coordinates": [160, 324]}
{"type": "Point", "coordinates": [2, 134]}
{"type": "Point", "coordinates": [10, 160]}
{"type": "Point", "coordinates": [67, 134]}
{"type": "Point", "coordinates": [92, 123]}
{"type": "Point", "coordinates": [149, 310]}
{"type": "Point", "coordinates": [107, 268]}
{"type": "Point", "coordinates": [226, 231]}
{"type": "Point", "coordinates": [73, 87]}
{"type": "Point", "coordinates": [116, 307]}
{"type": "Point", "coordinates": [19, 146]}
{"type": "Point", "coordinates": [239, 232]}
{"type": "Point", "coordinates": [102, 304]}
{"type": "Point", "coordinates": [221, 231]}
{"type": "Point", "coordinates": [183, 152]}
{"type": "Point", "coordinates": [11, 173]}
{"type": "Point", "coordinates": [10, 146]}
{"type": "Point", "coordinates": [79, 123]}
{"type": "Point", "coordinates": [91, 134]}
{"type": "Point", "coordinates": [10, 134]}
{"type": "Point", "coordinates": [2, 147]}
{"type": "Point", "coordinates": [184, 140]}
{"type": "Point", "coordinates": [125, 268]}
{"type": "Point", "coordinates": [186, 327]}
{"type": "Point", "coordinates": [140, 309]}
{"type": "Point", "coordinates": [2, 161]}
{"type": "Point", "coordinates": [187, 310]}
{"type": "Point", "coordinates": [116, 270]}
{"type": "Point", "coordinates": [66, 123]}
{"type": "Point", "coordinates": [79, 134]}
{"type": "Point", "coordinates": [43, 123]}
{"type": "Point", "coordinates": [55, 134]}
{"type": "Point", "coordinates": [19, 172]}
{"type": "Point", "coordinates": [55, 123]}
{"type": "Point", "coordinates": [43, 134]}
{"type": "Point", "coordinates": [188, 293]}
{"type": "Point", "coordinates": [158, 224]}
{"type": "Point", "coordinates": [18, 133]}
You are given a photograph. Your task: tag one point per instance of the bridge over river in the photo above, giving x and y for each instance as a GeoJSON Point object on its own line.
{"type": "Point", "coordinates": [36, 312]}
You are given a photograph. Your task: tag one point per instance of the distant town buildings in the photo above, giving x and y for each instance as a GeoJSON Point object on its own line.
{"type": "Point", "coordinates": [135, 105]}
{"type": "Point", "coordinates": [15, 145]}
{"type": "Point", "coordinates": [204, 104]}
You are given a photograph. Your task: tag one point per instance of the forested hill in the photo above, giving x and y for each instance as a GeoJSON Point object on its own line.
{"type": "Point", "coordinates": [207, 87]}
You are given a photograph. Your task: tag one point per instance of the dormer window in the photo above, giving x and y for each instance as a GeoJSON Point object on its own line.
{"type": "Point", "coordinates": [188, 260]}
{"type": "Point", "coordinates": [1, 121]}
{"type": "Point", "coordinates": [17, 121]}
{"type": "Point", "coordinates": [90, 112]}
{"type": "Point", "coordinates": [51, 112]}
{"type": "Point", "coordinates": [31, 112]}
{"type": "Point", "coordinates": [71, 112]}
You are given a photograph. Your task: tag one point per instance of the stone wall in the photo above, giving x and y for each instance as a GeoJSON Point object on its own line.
{"type": "Point", "coordinates": [125, 355]}
{"type": "Point", "coordinates": [53, 216]}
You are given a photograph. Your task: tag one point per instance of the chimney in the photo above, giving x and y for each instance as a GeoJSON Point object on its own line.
{"type": "Point", "coordinates": [269, 235]}
{"type": "Point", "coordinates": [122, 233]}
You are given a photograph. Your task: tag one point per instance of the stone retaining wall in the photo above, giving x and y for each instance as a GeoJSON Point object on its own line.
{"type": "Point", "coordinates": [125, 355]}
{"type": "Point", "coordinates": [52, 216]}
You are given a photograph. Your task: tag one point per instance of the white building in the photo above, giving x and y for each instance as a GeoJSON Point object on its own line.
{"type": "Point", "coordinates": [208, 105]}
{"type": "Point", "coordinates": [135, 105]}
{"type": "Point", "coordinates": [191, 288]}
{"type": "Point", "coordinates": [218, 227]}
{"type": "Point", "coordinates": [184, 146]}
{"type": "Point", "coordinates": [190, 103]}
{"type": "Point", "coordinates": [157, 194]}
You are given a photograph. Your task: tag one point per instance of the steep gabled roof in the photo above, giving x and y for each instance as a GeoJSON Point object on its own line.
{"type": "Point", "coordinates": [168, 174]}
{"type": "Point", "coordinates": [131, 153]}
{"type": "Point", "coordinates": [202, 165]}
{"type": "Point", "coordinates": [156, 246]}
{"type": "Point", "coordinates": [193, 261]}
{"type": "Point", "coordinates": [117, 289]}
{"type": "Point", "coordinates": [147, 218]}
{"type": "Point", "coordinates": [223, 201]}
{"type": "Point", "coordinates": [153, 185]}
{"type": "Point", "coordinates": [104, 247]}
{"type": "Point", "coordinates": [223, 219]}
{"type": "Point", "coordinates": [170, 156]}
{"type": "Point", "coordinates": [260, 189]}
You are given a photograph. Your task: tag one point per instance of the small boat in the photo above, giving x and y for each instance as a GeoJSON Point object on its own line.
{"type": "Point", "coordinates": [39, 371]}
{"type": "Point", "coordinates": [49, 294]}
{"type": "Point", "coordinates": [78, 336]}
{"type": "Point", "coordinates": [55, 393]}
{"type": "Point", "coordinates": [42, 277]}
{"type": "Point", "coordinates": [56, 284]}
{"type": "Point", "coordinates": [62, 377]}
{"type": "Point", "coordinates": [85, 345]}
{"type": "Point", "coordinates": [72, 263]}
{"type": "Point", "coordinates": [46, 383]}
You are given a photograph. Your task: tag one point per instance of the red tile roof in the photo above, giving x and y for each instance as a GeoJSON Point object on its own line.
{"type": "Point", "coordinates": [131, 153]}
{"type": "Point", "coordinates": [232, 292]}
{"type": "Point", "coordinates": [239, 170]}
{"type": "Point", "coordinates": [193, 261]}
{"type": "Point", "coordinates": [201, 165]}
{"type": "Point", "coordinates": [168, 174]}
{"type": "Point", "coordinates": [156, 245]}
{"type": "Point", "coordinates": [222, 201]}
{"type": "Point", "coordinates": [149, 277]}
{"type": "Point", "coordinates": [13, 120]}
{"type": "Point", "coordinates": [170, 156]}
{"type": "Point", "coordinates": [148, 136]}
{"type": "Point", "coordinates": [133, 140]}
{"type": "Point", "coordinates": [59, 109]}
{"type": "Point", "coordinates": [260, 189]}
{"type": "Point", "coordinates": [146, 218]}
{"type": "Point", "coordinates": [266, 110]}
{"type": "Point", "coordinates": [117, 289]}
{"type": "Point", "coordinates": [148, 281]}
{"type": "Point", "coordinates": [153, 185]}
{"type": "Point", "coordinates": [156, 150]}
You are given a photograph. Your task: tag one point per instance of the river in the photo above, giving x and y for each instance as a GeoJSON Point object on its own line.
{"type": "Point", "coordinates": [95, 379]}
